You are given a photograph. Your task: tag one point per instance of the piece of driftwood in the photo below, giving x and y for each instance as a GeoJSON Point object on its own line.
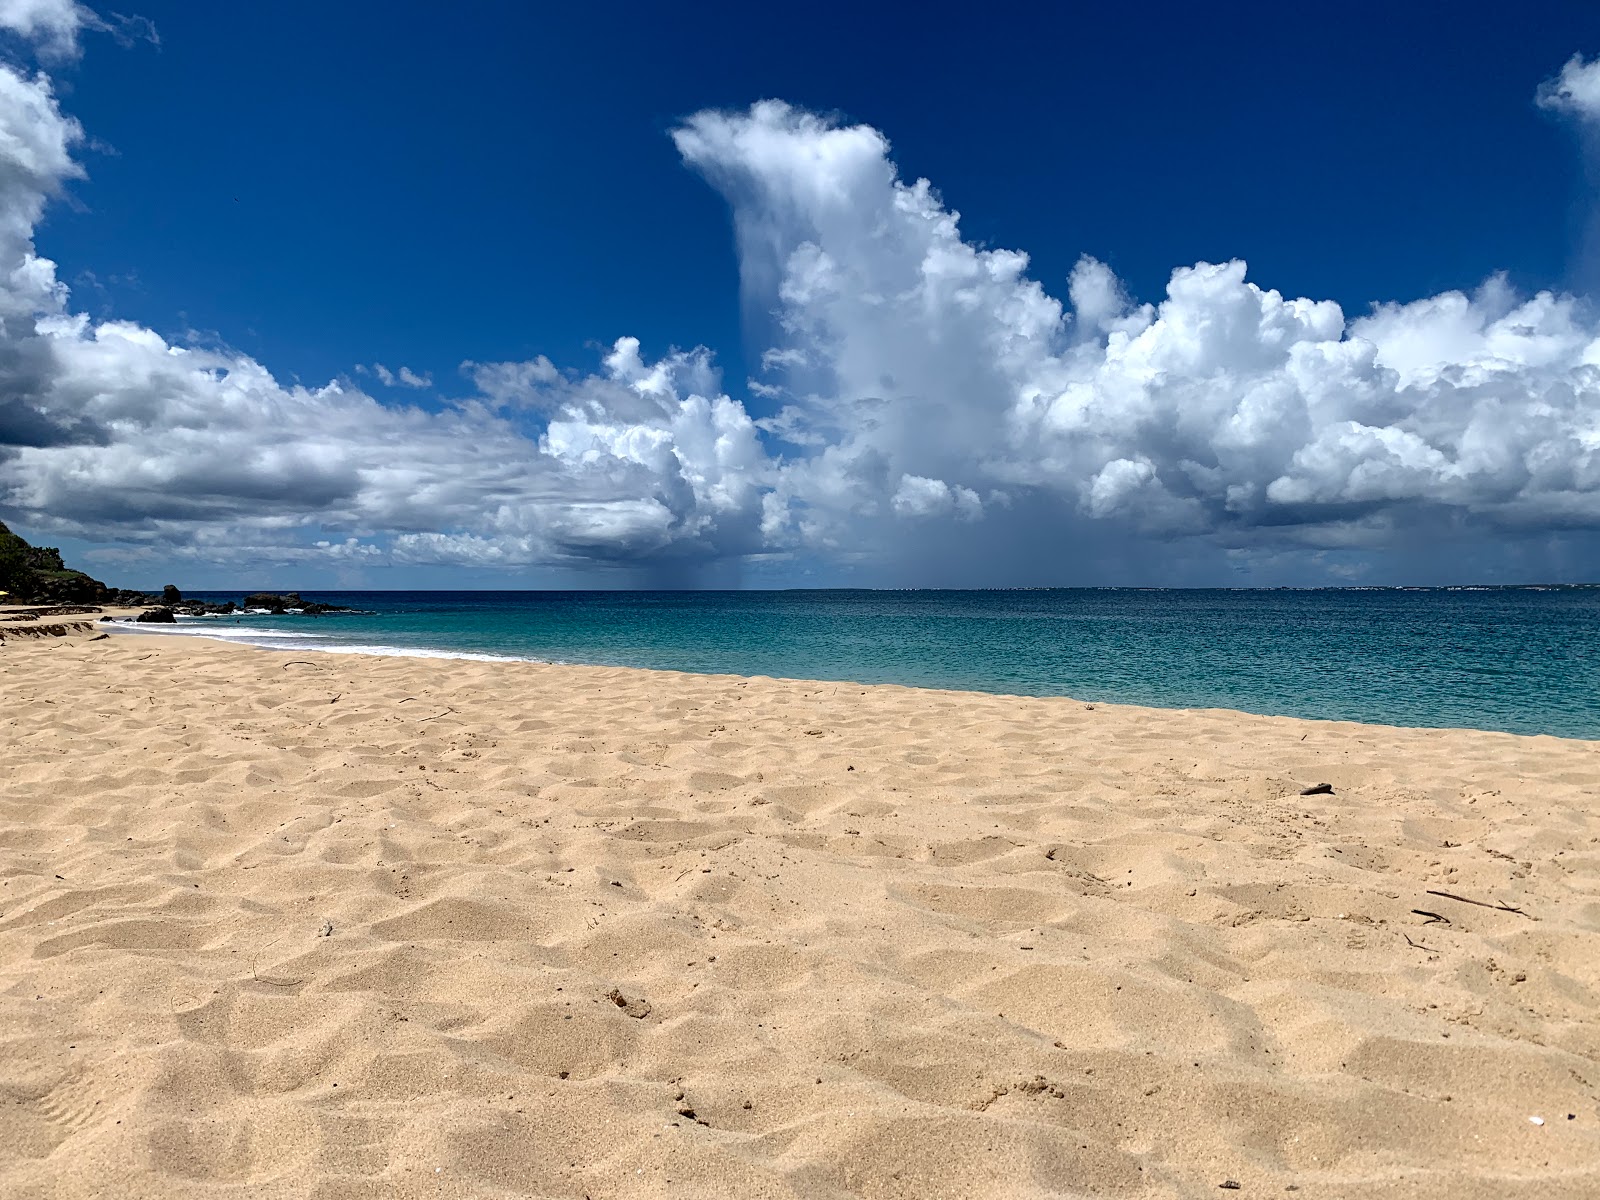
{"type": "Point", "coordinates": [1481, 903]}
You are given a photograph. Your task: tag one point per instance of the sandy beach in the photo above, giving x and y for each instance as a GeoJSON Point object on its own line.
{"type": "Point", "coordinates": [339, 925]}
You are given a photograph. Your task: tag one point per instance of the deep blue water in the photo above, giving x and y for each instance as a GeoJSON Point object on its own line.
{"type": "Point", "coordinates": [1526, 660]}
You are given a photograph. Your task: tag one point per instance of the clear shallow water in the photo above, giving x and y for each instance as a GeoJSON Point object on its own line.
{"type": "Point", "coordinates": [1525, 660]}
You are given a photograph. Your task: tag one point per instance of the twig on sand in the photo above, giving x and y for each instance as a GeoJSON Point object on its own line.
{"type": "Point", "coordinates": [272, 982]}
{"type": "Point", "coordinates": [259, 978]}
{"type": "Point", "coordinates": [1482, 903]}
{"type": "Point", "coordinates": [407, 700]}
{"type": "Point", "coordinates": [1433, 917]}
{"type": "Point", "coordinates": [277, 982]}
{"type": "Point", "coordinates": [335, 698]}
{"type": "Point", "coordinates": [1418, 945]}
{"type": "Point", "coordinates": [297, 662]}
{"type": "Point", "coordinates": [436, 716]}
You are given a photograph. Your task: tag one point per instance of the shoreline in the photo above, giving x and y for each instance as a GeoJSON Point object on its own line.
{"type": "Point", "coordinates": [374, 651]}
{"type": "Point", "coordinates": [413, 653]}
{"type": "Point", "coordinates": [345, 924]}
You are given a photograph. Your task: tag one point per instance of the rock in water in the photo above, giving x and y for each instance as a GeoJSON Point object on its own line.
{"type": "Point", "coordinates": [270, 601]}
{"type": "Point", "coordinates": [156, 616]}
{"type": "Point", "coordinates": [278, 605]}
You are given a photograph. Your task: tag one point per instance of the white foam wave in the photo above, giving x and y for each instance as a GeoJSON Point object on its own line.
{"type": "Point", "coordinates": [240, 634]}
{"type": "Point", "coordinates": [266, 639]}
{"type": "Point", "coordinates": [245, 632]}
{"type": "Point", "coordinates": [415, 652]}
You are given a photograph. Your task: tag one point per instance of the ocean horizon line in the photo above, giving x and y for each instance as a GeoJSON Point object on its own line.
{"type": "Point", "coordinates": [1121, 587]}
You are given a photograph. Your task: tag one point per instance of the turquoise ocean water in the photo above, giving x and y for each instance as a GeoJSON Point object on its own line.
{"type": "Point", "coordinates": [1524, 660]}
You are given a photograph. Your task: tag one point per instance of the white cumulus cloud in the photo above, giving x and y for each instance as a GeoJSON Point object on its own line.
{"type": "Point", "coordinates": [1576, 90]}
{"type": "Point", "coordinates": [921, 364]}
{"type": "Point", "coordinates": [110, 432]}
{"type": "Point", "coordinates": [917, 387]}
{"type": "Point", "coordinates": [919, 497]}
{"type": "Point", "coordinates": [53, 25]}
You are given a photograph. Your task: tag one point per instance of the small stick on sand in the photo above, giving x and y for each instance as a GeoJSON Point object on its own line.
{"type": "Point", "coordinates": [1481, 903]}
{"type": "Point", "coordinates": [1418, 945]}
{"type": "Point", "coordinates": [272, 982]}
{"type": "Point", "coordinates": [1433, 917]}
{"type": "Point", "coordinates": [436, 716]}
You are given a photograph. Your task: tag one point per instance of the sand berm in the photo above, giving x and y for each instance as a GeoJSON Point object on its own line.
{"type": "Point", "coordinates": [277, 925]}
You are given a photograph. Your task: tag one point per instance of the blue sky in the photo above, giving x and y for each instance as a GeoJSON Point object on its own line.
{"type": "Point", "coordinates": [321, 189]}
{"type": "Point", "coordinates": [356, 183]}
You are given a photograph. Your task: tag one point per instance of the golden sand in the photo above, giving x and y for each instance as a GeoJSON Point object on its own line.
{"type": "Point", "coordinates": [279, 925]}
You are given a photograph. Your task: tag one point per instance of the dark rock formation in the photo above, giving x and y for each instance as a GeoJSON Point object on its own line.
{"type": "Point", "coordinates": [270, 601]}
{"type": "Point", "coordinates": [49, 610]}
{"type": "Point", "coordinates": [280, 604]}
{"type": "Point", "coordinates": [156, 616]}
{"type": "Point", "coordinates": [316, 609]}
{"type": "Point", "coordinates": [36, 575]}
{"type": "Point", "coordinates": [38, 630]}
{"type": "Point", "coordinates": [204, 608]}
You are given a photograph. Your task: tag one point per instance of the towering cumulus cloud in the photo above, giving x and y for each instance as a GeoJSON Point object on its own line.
{"type": "Point", "coordinates": [918, 391]}
{"type": "Point", "coordinates": [929, 379]}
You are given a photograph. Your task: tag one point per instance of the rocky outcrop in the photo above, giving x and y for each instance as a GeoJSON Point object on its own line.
{"type": "Point", "coordinates": [37, 575]}
{"type": "Point", "coordinates": [204, 608]}
{"type": "Point", "coordinates": [288, 602]}
{"type": "Point", "coordinates": [270, 601]}
{"type": "Point", "coordinates": [50, 610]}
{"type": "Point", "coordinates": [156, 616]}
{"type": "Point", "coordinates": [277, 603]}
{"type": "Point", "coordinates": [39, 630]}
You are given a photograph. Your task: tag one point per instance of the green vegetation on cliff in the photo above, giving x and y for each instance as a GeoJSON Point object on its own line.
{"type": "Point", "coordinates": [36, 575]}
